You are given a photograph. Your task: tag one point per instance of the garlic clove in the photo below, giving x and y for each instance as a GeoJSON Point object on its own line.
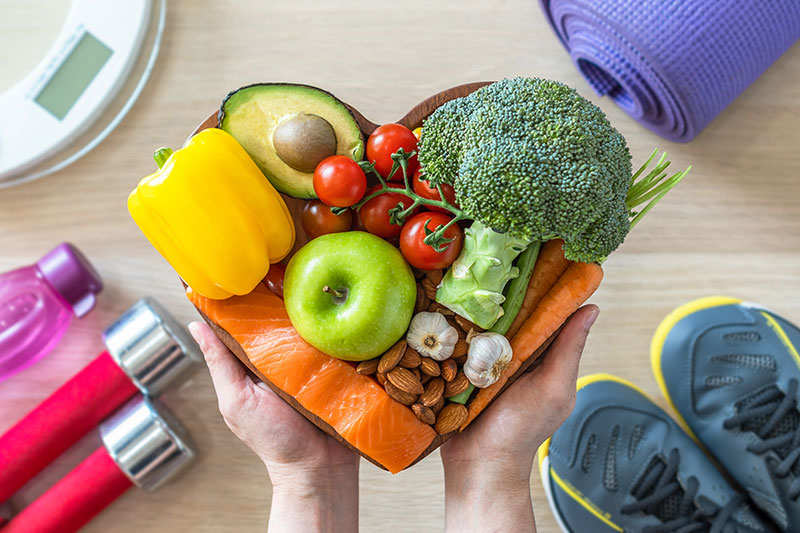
{"type": "Point", "coordinates": [432, 336]}
{"type": "Point", "coordinates": [488, 358]}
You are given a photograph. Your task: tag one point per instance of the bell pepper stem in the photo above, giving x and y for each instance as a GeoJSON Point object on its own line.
{"type": "Point", "coordinates": [161, 155]}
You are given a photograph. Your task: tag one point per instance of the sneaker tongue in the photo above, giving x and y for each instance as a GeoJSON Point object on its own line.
{"type": "Point", "coordinates": [670, 507]}
{"type": "Point", "coordinates": [787, 423]}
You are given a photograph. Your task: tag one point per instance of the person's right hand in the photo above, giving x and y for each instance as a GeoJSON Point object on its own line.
{"type": "Point", "coordinates": [314, 477]}
{"type": "Point", "coordinates": [488, 466]}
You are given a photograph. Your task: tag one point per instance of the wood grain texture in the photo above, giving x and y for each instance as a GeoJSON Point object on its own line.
{"type": "Point", "coordinates": [731, 227]}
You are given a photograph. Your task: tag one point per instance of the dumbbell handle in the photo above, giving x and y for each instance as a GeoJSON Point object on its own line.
{"type": "Point", "coordinates": [60, 421]}
{"type": "Point", "coordinates": [69, 504]}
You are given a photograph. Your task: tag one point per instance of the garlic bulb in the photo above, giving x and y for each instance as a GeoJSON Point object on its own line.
{"type": "Point", "coordinates": [431, 336]}
{"type": "Point", "coordinates": [488, 357]}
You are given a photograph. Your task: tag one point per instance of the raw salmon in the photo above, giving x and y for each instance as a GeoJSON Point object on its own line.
{"type": "Point", "coordinates": [356, 406]}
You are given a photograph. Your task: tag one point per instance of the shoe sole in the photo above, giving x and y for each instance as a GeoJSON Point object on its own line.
{"type": "Point", "coordinates": [547, 475]}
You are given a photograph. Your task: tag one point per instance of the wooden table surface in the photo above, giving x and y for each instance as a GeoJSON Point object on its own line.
{"type": "Point", "coordinates": [733, 227]}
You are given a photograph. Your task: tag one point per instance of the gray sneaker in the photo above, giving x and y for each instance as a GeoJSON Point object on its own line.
{"type": "Point", "coordinates": [731, 370]}
{"type": "Point", "coordinates": [620, 463]}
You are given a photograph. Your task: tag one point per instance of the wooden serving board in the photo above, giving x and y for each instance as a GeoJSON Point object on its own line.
{"type": "Point", "coordinates": [411, 120]}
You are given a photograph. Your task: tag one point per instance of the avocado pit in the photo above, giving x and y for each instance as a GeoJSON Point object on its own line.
{"type": "Point", "coordinates": [302, 141]}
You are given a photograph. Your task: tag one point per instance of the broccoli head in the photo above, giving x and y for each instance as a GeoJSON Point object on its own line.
{"type": "Point", "coordinates": [534, 159]}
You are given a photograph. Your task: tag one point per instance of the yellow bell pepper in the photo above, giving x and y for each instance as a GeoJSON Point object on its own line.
{"type": "Point", "coordinates": [213, 215]}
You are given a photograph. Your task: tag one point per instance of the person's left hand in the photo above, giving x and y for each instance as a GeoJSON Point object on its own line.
{"type": "Point", "coordinates": [303, 462]}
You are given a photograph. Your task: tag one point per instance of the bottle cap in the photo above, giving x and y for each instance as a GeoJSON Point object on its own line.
{"type": "Point", "coordinates": [72, 276]}
{"type": "Point", "coordinates": [147, 442]}
{"type": "Point", "coordinates": [153, 349]}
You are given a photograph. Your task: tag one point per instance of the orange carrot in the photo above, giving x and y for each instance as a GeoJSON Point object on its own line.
{"type": "Point", "coordinates": [550, 264]}
{"type": "Point", "coordinates": [572, 289]}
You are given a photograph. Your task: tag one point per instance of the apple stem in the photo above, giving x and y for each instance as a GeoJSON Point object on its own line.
{"type": "Point", "coordinates": [333, 292]}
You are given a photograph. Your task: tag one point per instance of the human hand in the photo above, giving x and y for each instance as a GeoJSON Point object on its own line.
{"type": "Point", "coordinates": [488, 466]}
{"type": "Point", "coordinates": [314, 477]}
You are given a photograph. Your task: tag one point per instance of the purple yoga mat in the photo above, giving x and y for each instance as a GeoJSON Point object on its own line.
{"type": "Point", "coordinates": [674, 65]}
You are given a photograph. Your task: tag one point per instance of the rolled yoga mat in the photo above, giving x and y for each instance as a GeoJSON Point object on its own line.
{"type": "Point", "coordinates": [674, 65]}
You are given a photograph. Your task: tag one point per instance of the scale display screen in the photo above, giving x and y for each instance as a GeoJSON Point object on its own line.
{"type": "Point", "coordinates": [73, 76]}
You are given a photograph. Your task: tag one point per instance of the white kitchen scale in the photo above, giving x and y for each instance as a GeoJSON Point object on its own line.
{"type": "Point", "coordinates": [81, 90]}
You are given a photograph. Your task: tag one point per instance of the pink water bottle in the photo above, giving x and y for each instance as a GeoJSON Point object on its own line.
{"type": "Point", "coordinates": [37, 303]}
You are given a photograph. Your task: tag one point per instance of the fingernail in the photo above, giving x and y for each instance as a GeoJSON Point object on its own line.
{"type": "Point", "coordinates": [262, 385]}
{"type": "Point", "coordinates": [591, 317]}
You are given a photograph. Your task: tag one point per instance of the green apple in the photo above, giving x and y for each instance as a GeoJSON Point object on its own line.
{"type": "Point", "coordinates": [350, 295]}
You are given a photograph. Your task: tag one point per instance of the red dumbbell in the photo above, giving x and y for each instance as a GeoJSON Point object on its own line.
{"type": "Point", "coordinates": [147, 351]}
{"type": "Point", "coordinates": [143, 445]}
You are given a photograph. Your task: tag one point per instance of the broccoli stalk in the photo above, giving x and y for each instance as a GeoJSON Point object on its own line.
{"type": "Point", "coordinates": [473, 287]}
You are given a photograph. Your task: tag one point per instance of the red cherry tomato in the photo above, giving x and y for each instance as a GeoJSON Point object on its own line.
{"type": "Point", "coordinates": [339, 181]}
{"type": "Point", "coordinates": [423, 256]}
{"type": "Point", "coordinates": [423, 188]}
{"type": "Point", "coordinates": [374, 214]}
{"type": "Point", "coordinates": [274, 278]}
{"type": "Point", "coordinates": [385, 141]}
{"type": "Point", "coordinates": [317, 219]}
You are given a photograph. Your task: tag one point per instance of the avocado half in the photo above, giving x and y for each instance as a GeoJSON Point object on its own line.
{"type": "Point", "coordinates": [253, 113]}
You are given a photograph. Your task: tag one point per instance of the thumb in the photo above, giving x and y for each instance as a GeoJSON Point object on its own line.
{"type": "Point", "coordinates": [562, 360]}
{"type": "Point", "coordinates": [227, 374]}
{"type": "Point", "coordinates": [550, 387]}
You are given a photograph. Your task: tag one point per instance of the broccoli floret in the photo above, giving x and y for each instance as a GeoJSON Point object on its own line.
{"type": "Point", "coordinates": [533, 158]}
{"type": "Point", "coordinates": [530, 160]}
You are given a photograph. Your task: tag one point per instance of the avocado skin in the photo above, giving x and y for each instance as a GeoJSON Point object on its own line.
{"type": "Point", "coordinates": [283, 177]}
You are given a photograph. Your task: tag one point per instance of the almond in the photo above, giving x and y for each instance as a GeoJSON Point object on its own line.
{"type": "Point", "coordinates": [411, 359]}
{"type": "Point", "coordinates": [466, 325]}
{"type": "Point", "coordinates": [424, 413]}
{"type": "Point", "coordinates": [449, 369]}
{"type": "Point", "coordinates": [461, 348]}
{"type": "Point", "coordinates": [367, 368]}
{"type": "Point", "coordinates": [405, 380]}
{"type": "Point", "coordinates": [399, 395]}
{"type": "Point", "coordinates": [433, 392]}
{"type": "Point", "coordinates": [429, 287]}
{"type": "Point", "coordinates": [425, 379]}
{"type": "Point", "coordinates": [450, 418]}
{"type": "Point", "coordinates": [437, 407]}
{"type": "Point", "coordinates": [459, 384]}
{"type": "Point", "coordinates": [381, 379]}
{"type": "Point", "coordinates": [435, 276]}
{"type": "Point", "coordinates": [460, 360]}
{"type": "Point", "coordinates": [429, 366]}
{"type": "Point", "coordinates": [392, 356]}
{"type": "Point", "coordinates": [422, 300]}
{"type": "Point", "coordinates": [417, 373]}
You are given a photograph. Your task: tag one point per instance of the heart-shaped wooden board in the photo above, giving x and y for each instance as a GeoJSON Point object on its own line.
{"type": "Point", "coordinates": [412, 119]}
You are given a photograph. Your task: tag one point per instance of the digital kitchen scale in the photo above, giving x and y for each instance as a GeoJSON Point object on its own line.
{"type": "Point", "coordinates": [81, 90]}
